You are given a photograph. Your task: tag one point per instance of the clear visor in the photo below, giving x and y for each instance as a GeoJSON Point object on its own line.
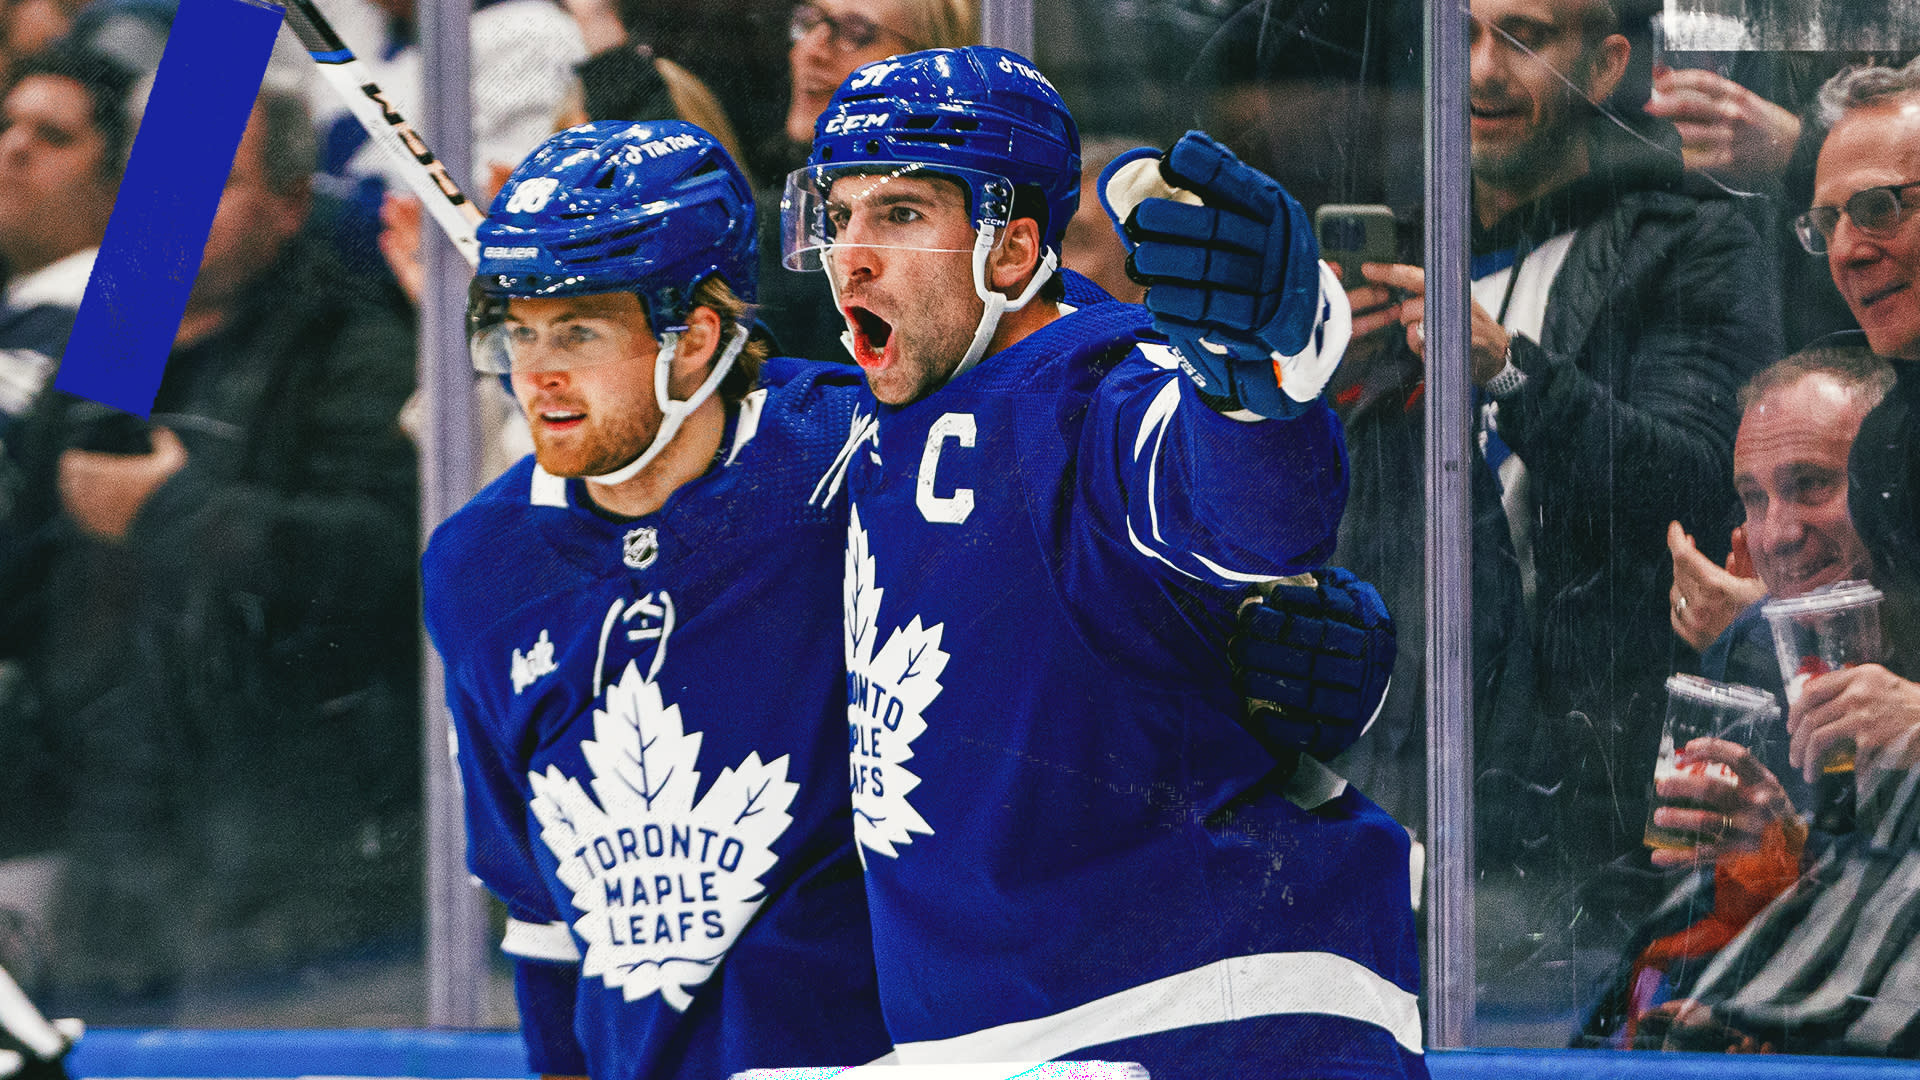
{"type": "Point", "coordinates": [887, 205]}
{"type": "Point", "coordinates": [563, 343]}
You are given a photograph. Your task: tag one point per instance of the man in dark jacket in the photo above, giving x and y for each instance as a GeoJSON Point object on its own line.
{"type": "Point", "coordinates": [1615, 318]}
{"type": "Point", "coordinates": [216, 614]}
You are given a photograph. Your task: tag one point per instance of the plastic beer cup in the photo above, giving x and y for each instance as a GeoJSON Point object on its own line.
{"type": "Point", "coordinates": [1701, 708]}
{"type": "Point", "coordinates": [1825, 630]}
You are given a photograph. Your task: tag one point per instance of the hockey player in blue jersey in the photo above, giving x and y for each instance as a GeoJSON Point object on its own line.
{"type": "Point", "coordinates": [1073, 846]}
{"type": "Point", "coordinates": [640, 630]}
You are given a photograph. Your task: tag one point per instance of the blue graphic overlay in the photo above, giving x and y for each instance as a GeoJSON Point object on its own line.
{"type": "Point", "coordinates": [202, 95]}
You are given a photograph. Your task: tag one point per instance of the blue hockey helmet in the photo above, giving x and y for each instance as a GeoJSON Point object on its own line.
{"type": "Point", "coordinates": [653, 208]}
{"type": "Point", "coordinates": [981, 116]}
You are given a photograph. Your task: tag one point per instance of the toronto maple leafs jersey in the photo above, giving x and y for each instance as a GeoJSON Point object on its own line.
{"type": "Point", "coordinates": [648, 717]}
{"type": "Point", "coordinates": [1072, 847]}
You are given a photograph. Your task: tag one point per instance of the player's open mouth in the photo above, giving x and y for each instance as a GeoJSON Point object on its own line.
{"type": "Point", "coordinates": [871, 333]}
{"type": "Point", "coordinates": [560, 420]}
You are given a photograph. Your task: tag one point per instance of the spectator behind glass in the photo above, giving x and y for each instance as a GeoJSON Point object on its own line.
{"type": "Point", "coordinates": [221, 623]}
{"type": "Point", "coordinates": [1753, 125]}
{"type": "Point", "coordinates": [66, 133]}
{"type": "Point", "coordinates": [1797, 429]}
{"type": "Point", "coordinates": [1091, 246]}
{"type": "Point", "coordinates": [28, 26]}
{"type": "Point", "coordinates": [1614, 318]}
{"type": "Point", "coordinates": [1798, 422]}
{"type": "Point", "coordinates": [1865, 219]}
{"type": "Point", "coordinates": [833, 37]}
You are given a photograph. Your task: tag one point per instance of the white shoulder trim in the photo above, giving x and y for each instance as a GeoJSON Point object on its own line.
{"type": "Point", "coordinates": [535, 941]}
{"type": "Point", "coordinates": [1240, 988]}
{"type": "Point", "coordinates": [748, 425]}
{"type": "Point", "coordinates": [547, 489]}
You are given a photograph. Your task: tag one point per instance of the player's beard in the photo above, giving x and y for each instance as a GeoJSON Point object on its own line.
{"type": "Point", "coordinates": [932, 324]}
{"type": "Point", "coordinates": [604, 442]}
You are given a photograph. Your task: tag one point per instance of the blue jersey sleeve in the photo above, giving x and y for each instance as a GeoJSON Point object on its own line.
{"type": "Point", "coordinates": [545, 994]}
{"type": "Point", "coordinates": [499, 852]}
{"type": "Point", "coordinates": [499, 849]}
{"type": "Point", "coordinates": [1209, 498]}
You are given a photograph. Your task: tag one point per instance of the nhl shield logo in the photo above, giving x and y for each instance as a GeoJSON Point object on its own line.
{"type": "Point", "coordinates": [641, 547]}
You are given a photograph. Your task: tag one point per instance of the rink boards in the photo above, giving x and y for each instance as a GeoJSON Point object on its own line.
{"type": "Point", "coordinates": [499, 1055]}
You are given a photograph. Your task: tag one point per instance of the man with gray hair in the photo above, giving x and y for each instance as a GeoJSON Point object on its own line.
{"type": "Point", "coordinates": [1866, 192]}
{"type": "Point", "coordinates": [1864, 220]}
{"type": "Point", "coordinates": [224, 781]}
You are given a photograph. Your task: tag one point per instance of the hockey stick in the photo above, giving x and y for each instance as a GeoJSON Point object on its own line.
{"type": "Point", "coordinates": [423, 172]}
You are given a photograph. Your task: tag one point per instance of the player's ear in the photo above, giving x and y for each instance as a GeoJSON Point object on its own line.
{"type": "Point", "coordinates": [1013, 260]}
{"type": "Point", "coordinates": [699, 342]}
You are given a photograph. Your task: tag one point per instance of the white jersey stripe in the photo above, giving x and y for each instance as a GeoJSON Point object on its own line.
{"type": "Point", "coordinates": [535, 941]}
{"type": "Point", "coordinates": [1143, 548]}
{"type": "Point", "coordinates": [1153, 428]}
{"type": "Point", "coordinates": [1231, 575]}
{"type": "Point", "coordinates": [1240, 988]}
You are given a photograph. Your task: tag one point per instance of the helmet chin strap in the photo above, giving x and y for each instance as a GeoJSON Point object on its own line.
{"type": "Point", "coordinates": [996, 303]}
{"type": "Point", "coordinates": [674, 413]}
{"type": "Point", "coordinates": [846, 336]}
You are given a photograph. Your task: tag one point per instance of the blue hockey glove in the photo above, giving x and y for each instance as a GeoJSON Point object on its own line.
{"type": "Point", "coordinates": [1313, 663]}
{"type": "Point", "coordinates": [1233, 274]}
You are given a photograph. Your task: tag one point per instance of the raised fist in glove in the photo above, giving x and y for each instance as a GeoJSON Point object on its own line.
{"type": "Point", "coordinates": [1233, 275]}
{"type": "Point", "coordinates": [1312, 657]}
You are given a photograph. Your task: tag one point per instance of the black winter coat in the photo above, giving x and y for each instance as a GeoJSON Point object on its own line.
{"type": "Point", "coordinates": [1662, 309]}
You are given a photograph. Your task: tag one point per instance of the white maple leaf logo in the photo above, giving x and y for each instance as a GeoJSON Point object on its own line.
{"type": "Point", "coordinates": [664, 884]}
{"type": "Point", "coordinates": [887, 690]}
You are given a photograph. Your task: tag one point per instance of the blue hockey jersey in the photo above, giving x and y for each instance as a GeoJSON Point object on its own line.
{"type": "Point", "coordinates": [647, 716]}
{"type": "Point", "coordinates": [1072, 847]}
